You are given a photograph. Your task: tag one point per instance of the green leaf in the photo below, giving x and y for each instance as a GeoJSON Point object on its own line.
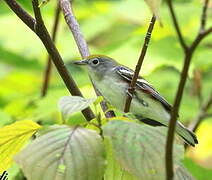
{"type": "Point", "coordinates": [71, 104]}
{"type": "Point", "coordinates": [12, 138]}
{"type": "Point", "coordinates": [114, 170]}
{"type": "Point", "coordinates": [65, 153]}
{"type": "Point", "coordinates": [140, 149]}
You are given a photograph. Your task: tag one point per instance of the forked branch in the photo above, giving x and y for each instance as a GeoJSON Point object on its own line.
{"type": "Point", "coordinates": [189, 51]}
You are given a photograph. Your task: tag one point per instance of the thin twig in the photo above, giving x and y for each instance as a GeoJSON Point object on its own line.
{"type": "Point", "coordinates": [40, 29]}
{"type": "Point", "coordinates": [176, 25]}
{"type": "Point", "coordinates": [199, 38]}
{"type": "Point", "coordinates": [173, 120]}
{"type": "Point", "coordinates": [204, 16]}
{"type": "Point", "coordinates": [174, 113]}
{"type": "Point", "coordinates": [73, 25]}
{"type": "Point", "coordinates": [131, 88]}
{"type": "Point", "coordinates": [47, 72]}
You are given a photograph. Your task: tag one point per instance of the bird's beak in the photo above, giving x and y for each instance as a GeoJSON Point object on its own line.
{"type": "Point", "coordinates": [82, 62]}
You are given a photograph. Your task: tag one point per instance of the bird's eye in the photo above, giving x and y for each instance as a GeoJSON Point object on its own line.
{"type": "Point", "coordinates": [95, 61]}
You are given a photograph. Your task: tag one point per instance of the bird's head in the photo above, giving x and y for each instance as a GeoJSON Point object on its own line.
{"type": "Point", "coordinates": [97, 64]}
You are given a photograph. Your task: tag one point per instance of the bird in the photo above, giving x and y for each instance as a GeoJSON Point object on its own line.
{"type": "Point", "coordinates": [112, 80]}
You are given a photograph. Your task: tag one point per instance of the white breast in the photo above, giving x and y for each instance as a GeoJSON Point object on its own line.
{"type": "Point", "coordinates": [114, 91]}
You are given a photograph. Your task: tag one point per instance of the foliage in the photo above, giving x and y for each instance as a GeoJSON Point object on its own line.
{"type": "Point", "coordinates": [115, 28]}
{"type": "Point", "coordinates": [64, 153]}
{"type": "Point", "coordinates": [12, 139]}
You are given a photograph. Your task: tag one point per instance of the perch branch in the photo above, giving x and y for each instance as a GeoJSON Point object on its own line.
{"type": "Point", "coordinates": [131, 88]}
{"type": "Point", "coordinates": [41, 31]}
{"type": "Point", "coordinates": [47, 72]}
{"type": "Point", "coordinates": [187, 59]}
{"type": "Point", "coordinates": [73, 25]}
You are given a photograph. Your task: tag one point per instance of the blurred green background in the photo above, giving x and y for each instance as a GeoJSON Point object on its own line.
{"type": "Point", "coordinates": [115, 28]}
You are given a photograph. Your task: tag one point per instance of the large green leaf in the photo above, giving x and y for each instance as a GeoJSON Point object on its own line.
{"type": "Point", "coordinates": [64, 153]}
{"type": "Point", "coordinates": [114, 171]}
{"type": "Point", "coordinates": [140, 149]}
{"type": "Point", "coordinates": [71, 104]}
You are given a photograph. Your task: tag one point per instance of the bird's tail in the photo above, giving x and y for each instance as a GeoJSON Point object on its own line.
{"type": "Point", "coordinates": [188, 136]}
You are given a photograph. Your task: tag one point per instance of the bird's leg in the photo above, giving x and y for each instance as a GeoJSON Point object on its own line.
{"type": "Point", "coordinates": [130, 91]}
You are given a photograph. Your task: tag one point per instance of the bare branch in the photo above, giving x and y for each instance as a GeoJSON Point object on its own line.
{"type": "Point", "coordinates": [176, 25]}
{"type": "Point", "coordinates": [49, 61]}
{"type": "Point", "coordinates": [73, 25]}
{"type": "Point", "coordinates": [199, 38]}
{"type": "Point", "coordinates": [131, 88]}
{"type": "Point", "coordinates": [39, 28]}
{"type": "Point", "coordinates": [189, 51]}
{"type": "Point", "coordinates": [173, 120]}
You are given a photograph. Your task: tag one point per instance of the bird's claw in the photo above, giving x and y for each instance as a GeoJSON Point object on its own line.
{"type": "Point", "coordinates": [130, 94]}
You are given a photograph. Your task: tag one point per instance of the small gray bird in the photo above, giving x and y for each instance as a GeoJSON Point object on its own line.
{"type": "Point", "coordinates": [113, 79]}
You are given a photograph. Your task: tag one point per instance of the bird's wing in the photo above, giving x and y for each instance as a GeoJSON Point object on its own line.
{"type": "Point", "coordinates": [141, 83]}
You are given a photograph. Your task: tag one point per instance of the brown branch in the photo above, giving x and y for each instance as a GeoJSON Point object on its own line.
{"type": "Point", "coordinates": [73, 25]}
{"type": "Point", "coordinates": [131, 88]}
{"type": "Point", "coordinates": [176, 25]}
{"type": "Point", "coordinates": [39, 28]}
{"type": "Point", "coordinates": [199, 38]}
{"type": "Point", "coordinates": [47, 72]}
{"type": "Point", "coordinates": [174, 113]}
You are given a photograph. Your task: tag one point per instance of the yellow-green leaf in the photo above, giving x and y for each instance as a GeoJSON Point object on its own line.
{"type": "Point", "coordinates": [12, 138]}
